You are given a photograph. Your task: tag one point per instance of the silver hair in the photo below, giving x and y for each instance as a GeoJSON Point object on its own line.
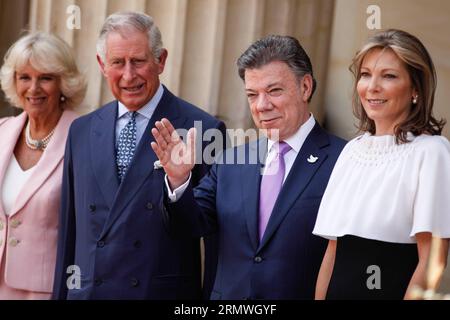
{"type": "Point", "coordinates": [126, 21]}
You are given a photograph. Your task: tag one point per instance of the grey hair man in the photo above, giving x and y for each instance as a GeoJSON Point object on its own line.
{"type": "Point", "coordinates": [264, 222]}
{"type": "Point", "coordinates": [114, 240]}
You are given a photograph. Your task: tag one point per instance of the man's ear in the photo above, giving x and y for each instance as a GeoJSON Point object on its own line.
{"type": "Point", "coordinates": [306, 87]}
{"type": "Point", "coordinates": [162, 60]}
{"type": "Point", "coordinates": [101, 64]}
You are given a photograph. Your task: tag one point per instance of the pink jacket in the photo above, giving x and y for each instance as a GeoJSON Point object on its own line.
{"type": "Point", "coordinates": [28, 236]}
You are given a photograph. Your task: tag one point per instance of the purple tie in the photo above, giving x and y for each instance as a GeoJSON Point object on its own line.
{"type": "Point", "coordinates": [271, 183]}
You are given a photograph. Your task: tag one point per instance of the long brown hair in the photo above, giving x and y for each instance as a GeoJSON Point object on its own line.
{"type": "Point", "coordinates": [421, 70]}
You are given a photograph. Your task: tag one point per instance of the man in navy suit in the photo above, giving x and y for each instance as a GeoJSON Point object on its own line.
{"type": "Point", "coordinates": [264, 211]}
{"type": "Point", "coordinates": [112, 234]}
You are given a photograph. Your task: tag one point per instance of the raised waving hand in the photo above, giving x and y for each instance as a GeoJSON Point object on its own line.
{"type": "Point", "coordinates": [176, 157]}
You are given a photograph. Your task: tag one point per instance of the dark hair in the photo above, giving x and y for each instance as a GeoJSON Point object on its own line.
{"type": "Point", "coordinates": [277, 48]}
{"type": "Point", "coordinates": [421, 70]}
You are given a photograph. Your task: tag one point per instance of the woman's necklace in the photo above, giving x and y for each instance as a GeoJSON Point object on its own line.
{"type": "Point", "coordinates": [36, 144]}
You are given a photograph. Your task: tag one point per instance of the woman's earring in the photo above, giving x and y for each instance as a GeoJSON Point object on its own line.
{"type": "Point", "coordinates": [62, 99]}
{"type": "Point", "coordinates": [415, 100]}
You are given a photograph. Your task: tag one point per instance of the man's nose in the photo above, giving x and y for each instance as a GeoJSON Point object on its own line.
{"type": "Point", "coordinates": [129, 72]}
{"type": "Point", "coordinates": [263, 103]}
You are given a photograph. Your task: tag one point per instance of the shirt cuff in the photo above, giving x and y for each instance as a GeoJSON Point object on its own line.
{"type": "Point", "coordinates": [178, 192]}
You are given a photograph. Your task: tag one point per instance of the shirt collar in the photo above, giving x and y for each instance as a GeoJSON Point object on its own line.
{"type": "Point", "coordinates": [298, 138]}
{"type": "Point", "coordinates": [148, 109]}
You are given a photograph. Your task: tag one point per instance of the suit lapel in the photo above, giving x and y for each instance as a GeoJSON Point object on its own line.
{"type": "Point", "coordinates": [11, 131]}
{"type": "Point", "coordinates": [48, 162]}
{"type": "Point", "coordinates": [141, 166]}
{"type": "Point", "coordinates": [251, 175]}
{"type": "Point", "coordinates": [298, 179]}
{"type": "Point", "coordinates": [102, 151]}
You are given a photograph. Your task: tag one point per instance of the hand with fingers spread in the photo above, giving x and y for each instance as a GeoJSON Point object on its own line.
{"type": "Point", "coordinates": [176, 157]}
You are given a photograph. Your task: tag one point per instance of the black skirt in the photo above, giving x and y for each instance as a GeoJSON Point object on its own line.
{"type": "Point", "coordinates": [370, 269]}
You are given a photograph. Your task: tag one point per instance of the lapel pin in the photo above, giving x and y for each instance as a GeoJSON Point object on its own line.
{"type": "Point", "coordinates": [157, 165]}
{"type": "Point", "coordinates": [312, 159]}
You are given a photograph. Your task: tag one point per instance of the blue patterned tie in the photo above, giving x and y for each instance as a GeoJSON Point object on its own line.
{"type": "Point", "coordinates": [126, 146]}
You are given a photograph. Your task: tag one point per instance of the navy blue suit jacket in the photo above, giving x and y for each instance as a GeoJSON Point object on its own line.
{"type": "Point", "coordinates": [116, 233]}
{"type": "Point", "coordinates": [285, 264]}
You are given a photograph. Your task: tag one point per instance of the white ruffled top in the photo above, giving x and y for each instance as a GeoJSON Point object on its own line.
{"type": "Point", "coordinates": [383, 191]}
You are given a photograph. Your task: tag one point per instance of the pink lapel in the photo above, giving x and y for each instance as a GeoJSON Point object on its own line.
{"type": "Point", "coordinates": [9, 133]}
{"type": "Point", "coordinates": [3, 120]}
{"type": "Point", "coordinates": [50, 159]}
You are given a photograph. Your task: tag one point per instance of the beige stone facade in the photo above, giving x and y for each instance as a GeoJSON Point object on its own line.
{"type": "Point", "coordinates": [205, 37]}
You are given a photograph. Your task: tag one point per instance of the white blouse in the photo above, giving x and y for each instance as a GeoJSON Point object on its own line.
{"type": "Point", "coordinates": [383, 191]}
{"type": "Point", "coordinates": [13, 182]}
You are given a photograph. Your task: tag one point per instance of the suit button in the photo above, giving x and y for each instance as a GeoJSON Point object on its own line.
{"type": "Point", "coordinates": [101, 244]}
{"type": "Point", "coordinates": [149, 206]}
{"type": "Point", "coordinates": [134, 282]}
{"type": "Point", "coordinates": [15, 223]}
{"type": "Point", "coordinates": [98, 282]}
{"type": "Point", "coordinates": [258, 259]}
{"type": "Point", "coordinates": [137, 244]}
{"type": "Point", "coordinates": [92, 208]}
{"type": "Point", "coordinates": [13, 242]}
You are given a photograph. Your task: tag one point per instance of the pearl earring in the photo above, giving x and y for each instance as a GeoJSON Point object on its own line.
{"type": "Point", "coordinates": [415, 100]}
{"type": "Point", "coordinates": [62, 99]}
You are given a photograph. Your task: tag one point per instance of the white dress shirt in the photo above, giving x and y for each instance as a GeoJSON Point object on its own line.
{"type": "Point", "coordinates": [295, 142]}
{"type": "Point", "coordinates": [143, 116]}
